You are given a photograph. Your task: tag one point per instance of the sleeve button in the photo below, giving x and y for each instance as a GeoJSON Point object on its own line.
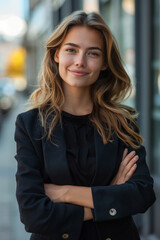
{"type": "Point", "coordinates": [65, 236]}
{"type": "Point", "coordinates": [112, 212]}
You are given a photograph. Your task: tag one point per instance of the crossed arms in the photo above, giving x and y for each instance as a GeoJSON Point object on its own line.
{"type": "Point", "coordinates": [45, 208]}
{"type": "Point", "coordinates": [82, 196]}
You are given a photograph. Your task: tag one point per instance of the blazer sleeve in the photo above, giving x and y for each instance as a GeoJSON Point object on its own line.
{"type": "Point", "coordinates": [38, 213]}
{"type": "Point", "coordinates": [134, 196]}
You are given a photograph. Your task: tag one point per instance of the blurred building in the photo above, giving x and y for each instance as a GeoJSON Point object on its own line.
{"type": "Point", "coordinates": [42, 17]}
{"type": "Point", "coordinates": [136, 26]}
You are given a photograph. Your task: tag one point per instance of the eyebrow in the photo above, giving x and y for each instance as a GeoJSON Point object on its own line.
{"type": "Point", "coordinates": [90, 48]}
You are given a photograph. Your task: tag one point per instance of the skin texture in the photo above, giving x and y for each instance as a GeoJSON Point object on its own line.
{"type": "Point", "coordinates": [80, 62]}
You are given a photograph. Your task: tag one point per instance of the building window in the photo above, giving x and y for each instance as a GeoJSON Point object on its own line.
{"type": "Point", "coordinates": [120, 17]}
{"type": "Point", "coordinates": [156, 112]}
{"type": "Point", "coordinates": [156, 86]}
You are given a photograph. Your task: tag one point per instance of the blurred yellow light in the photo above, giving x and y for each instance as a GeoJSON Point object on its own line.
{"type": "Point", "coordinates": [12, 26]}
{"type": "Point", "coordinates": [16, 62]}
{"type": "Point", "coordinates": [128, 6]}
{"type": "Point", "coordinates": [15, 68]}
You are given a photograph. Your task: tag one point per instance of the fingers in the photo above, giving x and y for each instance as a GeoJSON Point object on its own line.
{"type": "Point", "coordinates": [130, 165]}
{"type": "Point", "coordinates": [131, 162]}
{"type": "Point", "coordinates": [128, 157]}
{"type": "Point", "coordinates": [124, 153]}
{"type": "Point", "coordinates": [127, 167]}
{"type": "Point", "coordinates": [130, 172]}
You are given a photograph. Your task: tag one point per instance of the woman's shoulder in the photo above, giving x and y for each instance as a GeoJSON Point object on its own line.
{"type": "Point", "coordinates": [28, 126]}
{"type": "Point", "coordinates": [29, 117]}
{"type": "Point", "coordinates": [29, 123]}
{"type": "Point", "coordinates": [29, 114]}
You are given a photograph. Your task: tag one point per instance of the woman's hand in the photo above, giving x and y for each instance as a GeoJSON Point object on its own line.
{"type": "Point", "coordinates": [127, 167]}
{"type": "Point", "coordinates": [87, 214]}
{"type": "Point", "coordinates": [55, 192]}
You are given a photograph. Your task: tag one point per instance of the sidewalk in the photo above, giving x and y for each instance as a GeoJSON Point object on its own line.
{"type": "Point", "coordinates": [10, 226]}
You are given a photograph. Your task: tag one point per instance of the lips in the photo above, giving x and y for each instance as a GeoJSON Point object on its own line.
{"type": "Point", "coordinates": [78, 73]}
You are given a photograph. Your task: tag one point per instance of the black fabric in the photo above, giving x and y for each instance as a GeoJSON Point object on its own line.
{"type": "Point", "coordinates": [80, 150]}
{"type": "Point", "coordinates": [40, 161]}
{"type": "Point", "coordinates": [79, 136]}
{"type": "Point", "coordinates": [89, 231]}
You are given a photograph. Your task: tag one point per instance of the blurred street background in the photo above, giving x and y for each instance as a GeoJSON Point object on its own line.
{"type": "Point", "coordinates": [25, 26]}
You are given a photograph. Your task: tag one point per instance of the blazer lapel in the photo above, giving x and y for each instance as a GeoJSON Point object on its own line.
{"type": "Point", "coordinates": [106, 156]}
{"type": "Point", "coordinates": [55, 157]}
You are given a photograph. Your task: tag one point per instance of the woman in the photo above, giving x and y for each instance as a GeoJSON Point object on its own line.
{"type": "Point", "coordinates": [81, 166]}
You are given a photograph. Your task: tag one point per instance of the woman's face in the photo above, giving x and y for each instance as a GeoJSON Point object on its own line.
{"type": "Point", "coordinates": [81, 57]}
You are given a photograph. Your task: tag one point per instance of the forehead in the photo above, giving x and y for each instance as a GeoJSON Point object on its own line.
{"type": "Point", "coordinates": [84, 36]}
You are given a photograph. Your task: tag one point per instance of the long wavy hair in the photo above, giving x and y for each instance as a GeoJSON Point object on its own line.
{"type": "Point", "coordinates": [112, 87]}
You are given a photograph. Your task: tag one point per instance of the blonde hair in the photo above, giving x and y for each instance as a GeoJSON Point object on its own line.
{"type": "Point", "coordinates": [110, 89]}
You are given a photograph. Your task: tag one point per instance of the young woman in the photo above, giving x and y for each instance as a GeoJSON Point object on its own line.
{"type": "Point", "coordinates": [81, 166]}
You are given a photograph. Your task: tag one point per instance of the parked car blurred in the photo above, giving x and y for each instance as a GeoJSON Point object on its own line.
{"type": "Point", "coordinates": [7, 95]}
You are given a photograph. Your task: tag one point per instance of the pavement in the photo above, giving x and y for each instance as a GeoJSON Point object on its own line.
{"type": "Point", "coordinates": [10, 226]}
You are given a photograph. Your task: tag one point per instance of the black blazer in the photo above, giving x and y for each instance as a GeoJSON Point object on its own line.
{"type": "Point", "coordinates": [39, 162]}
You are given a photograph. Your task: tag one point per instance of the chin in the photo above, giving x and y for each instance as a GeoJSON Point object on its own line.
{"type": "Point", "coordinates": [77, 84]}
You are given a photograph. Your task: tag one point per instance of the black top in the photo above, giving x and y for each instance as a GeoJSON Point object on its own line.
{"type": "Point", "coordinates": [79, 136]}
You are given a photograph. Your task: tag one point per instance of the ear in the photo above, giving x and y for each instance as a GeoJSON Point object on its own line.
{"type": "Point", "coordinates": [56, 56]}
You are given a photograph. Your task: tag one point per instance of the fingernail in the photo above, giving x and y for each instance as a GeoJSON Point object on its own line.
{"type": "Point", "coordinates": [137, 157]}
{"type": "Point", "coordinates": [133, 153]}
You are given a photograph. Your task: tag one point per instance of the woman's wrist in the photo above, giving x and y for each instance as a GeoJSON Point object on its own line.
{"type": "Point", "coordinates": [65, 197]}
{"type": "Point", "coordinates": [70, 194]}
{"type": "Point", "coordinates": [79, 195]}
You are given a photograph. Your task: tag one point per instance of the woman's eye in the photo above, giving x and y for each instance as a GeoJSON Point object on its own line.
{"type": "Point", "coordinates": [93, 54]}
{"type": "Point", "coordinates": [70, 50]}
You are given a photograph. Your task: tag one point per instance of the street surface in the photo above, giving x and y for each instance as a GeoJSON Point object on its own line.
{"type": "Point", "coordinates": [10, 226]}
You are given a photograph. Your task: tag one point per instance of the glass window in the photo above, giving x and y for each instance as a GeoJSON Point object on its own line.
{"type": "Point", "coordinates": [156, 113]}
{"type": "Point", "coordinates": [120, 17]}
{"type": "Point", "coordinates": [156, 87]}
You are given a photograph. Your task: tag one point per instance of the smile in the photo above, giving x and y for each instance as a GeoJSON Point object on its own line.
{"type": "Point", "coordinates": [78, 73]}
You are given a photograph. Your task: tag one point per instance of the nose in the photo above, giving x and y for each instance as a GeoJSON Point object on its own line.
{"type": "Point", "coordinates": [80, 60]}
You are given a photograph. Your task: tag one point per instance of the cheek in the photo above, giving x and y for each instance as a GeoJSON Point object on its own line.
{"type": "Point", "coordinates": [65, 60]}
{"type": "Point", "coordinates": [96, 69]}
{"type": "Point", "coordinates": [64, 63]}
{"type": "Point", "coordinates": [96, 72]}
{"type": "Point", "coordinates": [95, 66]}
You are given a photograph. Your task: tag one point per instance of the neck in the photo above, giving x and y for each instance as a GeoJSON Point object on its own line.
{"type": "Point", "coordinates": [77, 100]}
